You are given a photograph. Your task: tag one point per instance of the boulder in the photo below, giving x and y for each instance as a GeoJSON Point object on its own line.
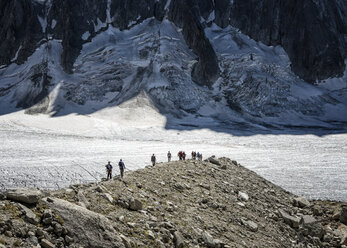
{"type": "Point", "coordinates": [108, 197]}
{"type": "Point", "coordinates": [87, 228]}
{"type": "Point", "coordinates": [314, 228]}
{"type": "Point", "coordinates": [341, 232]}
{"type": "Point", "coordinates": [213, 160]}
{"type": "Point", "coordinates": [46, 244]}
{"type": "Point", "coordinates": [290, 220]}
{"type": "Point", "coordinates": [82, 200]}
{"type": "Point", "coordinates": [178, 240]}
{"type": "Point", "coordinates": [343, 215]}
{"type": "Point", "coordinates": [301, 202]}
{"type": "Point", "coordinates": [127, 242]}
{"type": "Point", "coordinates": [29, 215]}
{"type": "Point", "coordinates": [210, 241]}
{"type": "Point", "coordinates": [135, 204]}
{"type": "Point", "coordinates": [307, 220]}
{"type": "Point", "coordinates": [250, 225]}
{"type": "Point", "coordinates": [243, 196]}
{"type": "Point", "coordinates": [29, 196]}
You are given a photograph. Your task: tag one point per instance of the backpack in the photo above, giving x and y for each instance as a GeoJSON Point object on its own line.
{"type": "Point", "coordinates": [121, 164]}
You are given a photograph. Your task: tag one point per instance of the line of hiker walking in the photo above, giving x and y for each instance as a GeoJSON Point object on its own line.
{"type": "Point", "coordinates": [181, 156]}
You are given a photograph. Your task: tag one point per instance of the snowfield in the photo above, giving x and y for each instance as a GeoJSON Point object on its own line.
{"type": "Point", "coordinates": [53, 152]}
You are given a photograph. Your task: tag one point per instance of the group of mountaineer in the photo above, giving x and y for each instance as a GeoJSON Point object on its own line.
{"type": "Point", "coordinates": [181, 156]}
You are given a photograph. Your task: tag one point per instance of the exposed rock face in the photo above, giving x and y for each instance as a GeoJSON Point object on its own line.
{"type": "Point", "coordinates": [70, 20]}
{"type": "Point", "coordinates": [20, 30]}
{"type": "Point", "coordinates": [88, 228]}
{"type": "Point", "coordinates": [185, 14]}
{"type": "Point", "coordinates": [181, 48]}
{"type": "Point", "coordinates": [313, 33]}
{"type": "Point", "coordinates": [29, 196]}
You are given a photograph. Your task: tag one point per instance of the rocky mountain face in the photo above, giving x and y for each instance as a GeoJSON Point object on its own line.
{"type": "Point", "coordinates": [313, 33]}
{"type": "Point", "coordinates": [215, 203]}
{"type": "Point", "coordinates": [177, 52]}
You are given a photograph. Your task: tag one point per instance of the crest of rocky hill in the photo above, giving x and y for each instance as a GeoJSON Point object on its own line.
{"type": "Point", "coordinates": [214, 203]}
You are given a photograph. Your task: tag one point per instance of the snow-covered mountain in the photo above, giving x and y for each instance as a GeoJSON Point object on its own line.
{"type": "Point", "coordinates": [200, 63]}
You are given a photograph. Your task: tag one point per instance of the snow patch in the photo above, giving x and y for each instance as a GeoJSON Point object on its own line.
{"type": "Point", "coordinates": [53, 24]}
{"type": "Point", "coordinates": [86, 35]}
{"type": "Point", "coordinates": [43, 22]}
{"type": "Point", "coordinates": [16, 56]}
{"type": "Point", "coordinates": [167, 5]}
{"type": "Point", "coordinates": [99, 25]}
{"type": "Point", "coordinates": [211, 17]}
{"type": "Point", "coordinates": [108, 11]}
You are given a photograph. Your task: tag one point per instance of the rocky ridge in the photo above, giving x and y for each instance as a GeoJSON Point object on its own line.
{"type": "Point", "coordinates": [211, 203]}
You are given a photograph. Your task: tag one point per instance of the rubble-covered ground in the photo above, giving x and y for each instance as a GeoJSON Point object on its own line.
{"type": "Point", "coordinates": [213, 203]}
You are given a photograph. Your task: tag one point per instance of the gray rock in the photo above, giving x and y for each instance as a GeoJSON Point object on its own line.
{"type": "Point", "coordinates": [58, 229]}
{"type": "Point", "coordinates": [68, 239]}
{"type": "Point", "coordinates": [290, 220]}
{"type": "Point", "coordinates": [213, 160]}
{"type": "Point", "coordinates": [29, 196]}
{"type": "Point", "coordinates": [314, 228]}
{"type": "Point", "coordinates": [250, 225]}
{"type": "Point", "coordinates": [83, 202]}
{"type": "Point", "coordinates": [210, 241]}
{"type": "Point", "coordinates": [47, 213]}
{"type": "Point", "coordinates": [301, 202]}
{"type": "Point", "coordinates": [178, 240]}
{"type": "Point", "coordinates": [243, 196]}
{"type": "Point", "coordinates": [127, 242]}
{"type": "Point", "coordinates": [40, 233]}
{"type": "Point", "coordinates": [87, 228]}
{"type": "Point", "coordinates": [150, 234]}
{"type": "Point", "coordinates": [47, 221]}
{"type": "Point", "coordinates": [343, 215]}
{"type": "Point", "coordinates": [29, 215]}
{"type": "Point", "coordinates": [32, 240]}
{"type": "Point", "coordinates": [108, 197]}
{"type": "Point", "coordinates": [205, 186]}
{"type": "Point", "coordinates": [2, 196]}
{"type": "Point", "coordinates": [46, 244]}
{"type": "Point", "coordinates": [135, 204]}
{"type": "Point", "coordinates": [307, 220]}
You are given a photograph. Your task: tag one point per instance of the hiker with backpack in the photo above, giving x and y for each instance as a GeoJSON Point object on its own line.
{"type": "Point", "coordinates": [179, 155]}
{"type": "Point", "coordinates": [169, 156]}
{"type": "Point", "coordinates": [121, 167]}
{"type": "Point", "coordinates": [109, 168]}
{"type": "Point", "coordinates": [153, 159]}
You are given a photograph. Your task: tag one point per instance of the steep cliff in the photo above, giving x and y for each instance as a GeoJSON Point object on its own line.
{"type": "Point", "coordinates": [238, 59]}
{"type": "Point", "coordinates": [313, 33]}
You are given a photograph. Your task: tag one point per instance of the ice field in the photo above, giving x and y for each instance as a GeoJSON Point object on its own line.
{"type": "Point", "coordinates": [41, 151]}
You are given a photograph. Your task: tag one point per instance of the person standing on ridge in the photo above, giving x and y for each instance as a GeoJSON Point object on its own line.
{"type": "Point", "coordinates": [121, 168]}
{"type": "Point", "coordinates": [109, 170]}
{"type": "Point", "coordinates": [169, 156]}
{"type": "Point", "coordinates": [153, 159]}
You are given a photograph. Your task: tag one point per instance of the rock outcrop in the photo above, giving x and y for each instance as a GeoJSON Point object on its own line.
{"type": "Point", "coordinates": [88, 229]}
{"type": "Point", "coordinates": [312, 33]}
